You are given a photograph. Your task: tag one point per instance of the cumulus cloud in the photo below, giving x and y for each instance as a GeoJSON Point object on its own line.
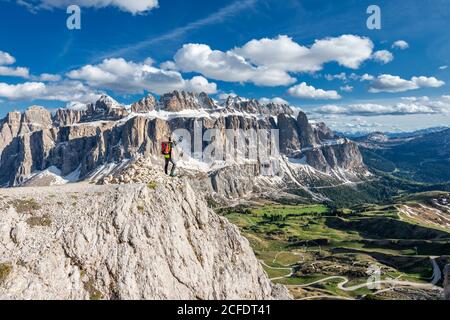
{"type": "Point", "coordinates": [49, 77]}
{"type": "Point", "coordinates": [341, 76]}
{"type": "Point", "coordinates": [200, 84]}
{"type": "Point", "coordinates": [413, 106]}
{"type": "Point", "coordinates": [390, 83]}
{"type": "Point", "coordinates": [347, 88]}
{"type": "Point", "coordinates": [269, 62]}
{"type": "Point", "coordinates": [26, 91]}
{"type": "Point", "coordinates": [6, 58]}
{"type": "Point", "coordinates": [14, 72]}
{"type": "Point", "coordinates": [6, 70]}
{"type": "Point", "coordinates": [283, 53]}
{"type": "Point", "coordinates": [127, 77]}
{"type": "Point", "coordinates": [383, 56]}
{"type": "Point", "coordinates": [367, 77]}
{"type": "Point", "coordinates": [276, 100]}
{"type": "Point", "coordinates": [309, 92]}
{"type": "Point", "coordinates": [132, 6]}
{"type": "Point", "coordinates": [227, 66]}
{"type": "Point", "coordinates": [400, 44]}
{"type": "Point", "coordinates": [62, 91]}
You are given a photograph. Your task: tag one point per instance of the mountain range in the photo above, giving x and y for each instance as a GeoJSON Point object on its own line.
{"type": "Point", "coordinates": [423, 156]}
{"type": "Point", "coordinates": [89, 142]}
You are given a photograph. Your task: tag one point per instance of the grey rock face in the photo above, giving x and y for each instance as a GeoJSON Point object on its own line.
{"type": "Point", "coordinates": [289, 135]}
{"type": "Point", "coordinates": [308, 136]}
{"type": "Point", "coordinates": [68, 117]}
{"type": "Point", "coordinates": [105, 108]}
{"type": "Point", "coordinates": [179, 101]}
{"type": "Point", "coordinates": [122, 242]}
{"type": "Point", "coordinates": [255, 107]}
{"type": "Point", "coordinates": [9, 128]}
{"type": "Point", "coordinates": [144, 105]}
{"type": "Point", "coordinates": [323, 132]}
{"type": "Point", "coordinates": [35, 118]}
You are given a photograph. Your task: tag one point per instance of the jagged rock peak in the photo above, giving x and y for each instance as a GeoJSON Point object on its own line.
{"type": "Point", "coordinates": [105, 102]}
{"type": "Point", "coordinates": [144, 105]}
{"type": "Point", "coordinates": [323, 131]}
{"type": "Point", "coordinates": [182, 100]}
{"type": "Point", "coordinates": [35, 118]}
{"type": "Point", "coordinates": [236, 103]}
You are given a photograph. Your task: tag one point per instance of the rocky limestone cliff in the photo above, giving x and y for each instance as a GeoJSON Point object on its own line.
{"type": "Point", "coordinates": [82, 140]}
{"type": "Point", "coordinates": [136, 241]}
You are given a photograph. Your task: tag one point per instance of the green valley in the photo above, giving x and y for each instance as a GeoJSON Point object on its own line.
{"type": "Point", "coordinates": [322, 252]}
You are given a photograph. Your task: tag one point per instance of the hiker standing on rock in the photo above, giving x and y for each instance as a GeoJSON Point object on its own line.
{"type": "Point", "coordinates": [167, 148]}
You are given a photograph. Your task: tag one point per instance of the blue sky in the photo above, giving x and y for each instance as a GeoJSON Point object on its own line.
{"type": "Point", "coordinates": [318, 55]}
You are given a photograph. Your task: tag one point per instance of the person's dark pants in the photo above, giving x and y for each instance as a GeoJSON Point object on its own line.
{"type": "Point", "coordinates": [166, 167]}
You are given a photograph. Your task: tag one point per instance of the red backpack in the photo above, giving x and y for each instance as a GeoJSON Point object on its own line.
{"type": "Point", "coordinates": [165, 148]}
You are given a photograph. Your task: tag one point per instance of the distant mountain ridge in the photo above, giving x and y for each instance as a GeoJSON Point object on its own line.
{"type": "Point", "coordinates": [407, 134]}
{"type": "Point", "coordinates": [423, 156]}
{"type": "Point", "coordinates": [90, 141]}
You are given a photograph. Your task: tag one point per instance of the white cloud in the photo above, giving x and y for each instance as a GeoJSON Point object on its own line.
{"type": "Point", "coordinates": [129, 77]}
{"type": "Point", "coordinates": [268, 62]}
{"type": "Point", "coordinates": [309, 92]}
{"type": "Point", "coordinates": [364, 77]}
{"type": "Point", "coordinates": [367, 77]}
{"type": "Point", "coordinates": [415, 99]}
{"type": "Point", "coordinates": [21, 72]}
{"type": "Point", "coordinates": [168, 65]}
{"type": "Point", "coordinates": [390, 83]}
{"type": "Point", "coordinates": [347, 88]}
{"type": "Point", "coordinates": [443, 67]}
{"type": "Point", "coordinates": [62, 91]}
{"type": "Point", "coordinates": [341, 76]}
{"type": "Point", "coordinates": [283, 53]}
{"type": "Point", "coordinates": [14, 72]}
{"type": "Point", "coordinates": [49, 77]}
{"type": "Point", "coordinates": [383, 56]}
{"type": "Point", "coordinates": [6, 70]}
{"type": "Point", "coordinates": [200, 84]}
{"type": "Point", "coordinates": [400, 44]}
{"type": "Point", "coordinates": [132, 6]}
{"type": "Point", "coordinates": [276, 100]}
{"type": "Point", "coordinates": [227, 66]}
{"type": "Point", "coordinates": [27, 90]}
{"type": "Point", "coordinates": [6, 58]}
{"type": "Point", "coordinates": [420, 105]}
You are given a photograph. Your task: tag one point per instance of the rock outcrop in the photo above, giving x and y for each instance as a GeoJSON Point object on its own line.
{"type": "Point", "coordinates": [254, 106]}
{"type": "Point", "coordinates": [144, 105]}
{"type": "Point", "coordinates": [179, 101]}
{"type": "Point", "coordinates": [86, 241]}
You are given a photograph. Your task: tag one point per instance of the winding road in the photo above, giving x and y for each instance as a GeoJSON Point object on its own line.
{"type": "Point", "coordinates": [437, 275]}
